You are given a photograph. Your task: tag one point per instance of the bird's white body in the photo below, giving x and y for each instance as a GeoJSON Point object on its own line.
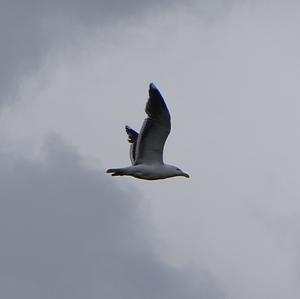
{"type": "Point", "coordinates": [151, 171]}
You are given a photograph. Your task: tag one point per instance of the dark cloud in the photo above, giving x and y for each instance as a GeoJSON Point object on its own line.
{"type": "Point", "coordinates": [68, 232]}
{"type": "Point", "coordinates": [28, 29]}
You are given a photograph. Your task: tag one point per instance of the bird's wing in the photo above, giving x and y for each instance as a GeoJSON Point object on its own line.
{"type": "Point", "coordinates": [132, 139]}
{"type": "Point", "coordinates": [155, 129]}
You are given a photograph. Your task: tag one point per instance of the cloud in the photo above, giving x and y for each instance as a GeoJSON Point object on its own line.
{"type": "Point", "coordinates": [232, 88]}
{"type": "Point", "coordinates": [29, 28]}
{"type": "Point", "coordinates": [68, 232]}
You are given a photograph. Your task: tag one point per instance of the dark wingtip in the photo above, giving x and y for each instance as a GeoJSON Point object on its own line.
{"type": "Point", "coordinates": [152, 86]}
{"type": "Point", "coordinates": [156, 105]}
{"type": "Point", "coordinates": [132, 134]}
{"type": "Point", "coordinates": [128, 129]}
{"type": "Point", "coordinates": [154, 91]}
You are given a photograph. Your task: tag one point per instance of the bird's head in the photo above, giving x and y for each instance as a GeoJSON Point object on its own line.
{"type": "Point", "coordinates": [178, 172]}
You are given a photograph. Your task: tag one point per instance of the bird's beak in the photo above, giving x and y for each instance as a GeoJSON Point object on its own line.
{"type": "Point", "coordinates": [185, 175]}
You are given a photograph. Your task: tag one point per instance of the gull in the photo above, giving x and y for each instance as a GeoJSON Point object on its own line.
{"type": "Point", "coordinates": [146, 147]}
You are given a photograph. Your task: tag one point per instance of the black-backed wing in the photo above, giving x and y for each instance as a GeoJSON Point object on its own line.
{"type": "Point", "coordinates": [132, 139]}
{"type": "Point", "coordinates": [155, 129]}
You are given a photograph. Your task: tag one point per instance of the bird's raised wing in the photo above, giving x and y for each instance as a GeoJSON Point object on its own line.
{"type": "Point", "coordinates": [155, 129]}
{"type": "Point", "coordinates": [132, 139]}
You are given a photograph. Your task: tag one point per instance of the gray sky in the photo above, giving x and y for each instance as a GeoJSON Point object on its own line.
{"type": "Point", "coordinates": [69, 232]}
{"type": "Point", "coordinates": [29, 28]}
{"type": "Point", "coordinates": [229, 74]}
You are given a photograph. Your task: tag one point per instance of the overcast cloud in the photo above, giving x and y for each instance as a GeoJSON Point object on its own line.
{"type": "Point", "coordinates": [230, 77]}
{"type": "Point", "coordinates": [68, 232]}
{"type": "Point", "coordinates": [29, 28]}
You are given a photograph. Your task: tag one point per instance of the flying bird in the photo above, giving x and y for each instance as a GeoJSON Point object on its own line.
{"type": "Point", "coordinates": [146, 147]}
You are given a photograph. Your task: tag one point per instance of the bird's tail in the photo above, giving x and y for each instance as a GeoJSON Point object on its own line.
{"type": "Point", "coordinates": [116, 171]}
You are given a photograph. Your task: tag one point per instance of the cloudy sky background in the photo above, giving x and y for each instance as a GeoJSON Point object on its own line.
{"type": "Point", "coordinates": [73, 74]}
